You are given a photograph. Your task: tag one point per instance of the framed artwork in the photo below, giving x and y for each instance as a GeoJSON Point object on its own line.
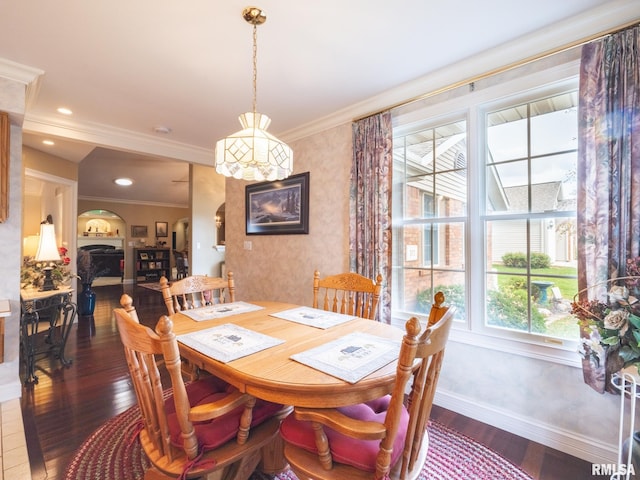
{"type": "Point", "coordinates": [162, 229]}
{"type": "Point", "coordinates": [138, 230]}
{"type": "Point", "coordinates": [4, 166]}
{"type": "Point", "coordinates": [279, 207]}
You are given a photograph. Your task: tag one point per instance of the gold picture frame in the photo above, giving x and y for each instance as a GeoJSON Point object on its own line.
{"type": "Point", "coordinates": [138, 231]}
{"type": "Point", "coordinates": [162, 229]}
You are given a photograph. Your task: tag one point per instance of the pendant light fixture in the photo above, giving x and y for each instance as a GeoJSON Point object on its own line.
{"type": "Point", "coordinates": [253, 153]}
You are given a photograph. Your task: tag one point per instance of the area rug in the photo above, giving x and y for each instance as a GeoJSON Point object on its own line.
{"type": "Point", "coordinates": [113, 452]}
{"type": "Point", "coordinates": [151, 286]}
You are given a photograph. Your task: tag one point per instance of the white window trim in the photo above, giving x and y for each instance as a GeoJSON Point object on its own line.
{"type": "Point", "coordinates": [521, 88]}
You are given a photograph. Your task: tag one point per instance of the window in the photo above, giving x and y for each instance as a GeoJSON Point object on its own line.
{"type": "Point", "coordinates": [433, 197]}
{"type": "Point", "coordinates": [530, 216]}
{"type": "Point", "coordinates": [485, 206]}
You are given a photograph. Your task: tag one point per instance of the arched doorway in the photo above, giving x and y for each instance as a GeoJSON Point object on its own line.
{"type": "Point", "coordinates": [102, 232]}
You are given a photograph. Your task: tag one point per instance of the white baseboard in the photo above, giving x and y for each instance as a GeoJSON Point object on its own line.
{"type": "Point", "coordinates": [577, 445]}
{"type": "Point", "coordinates": [10, 391]}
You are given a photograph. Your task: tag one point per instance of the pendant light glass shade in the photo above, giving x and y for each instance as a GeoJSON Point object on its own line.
{"type": "Point", "coordinates": [253, 153]}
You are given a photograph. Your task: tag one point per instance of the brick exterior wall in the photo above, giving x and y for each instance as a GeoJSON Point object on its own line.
{"type": "Point", "coordinates": [450, 247]}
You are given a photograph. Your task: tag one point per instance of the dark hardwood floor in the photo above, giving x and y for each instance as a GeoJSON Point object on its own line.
{"type": "Point", "coordinates": [68, 404]}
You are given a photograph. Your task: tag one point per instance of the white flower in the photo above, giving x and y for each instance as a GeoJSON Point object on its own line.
{"type": "Point", "coordinates": [617, 320]}
{"type": "Point", "coordinates": [618, 293]}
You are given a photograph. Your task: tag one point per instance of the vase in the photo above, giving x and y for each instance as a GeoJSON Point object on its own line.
{"type": "Point", "coordinates": [86, 300]}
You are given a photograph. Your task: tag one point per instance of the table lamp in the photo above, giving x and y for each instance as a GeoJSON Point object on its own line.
{"type": "Point", "coordinates": [47, 252]}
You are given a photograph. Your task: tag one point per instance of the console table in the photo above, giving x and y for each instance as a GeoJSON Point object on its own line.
{"type": "Point", "coordinates": [57, 312]}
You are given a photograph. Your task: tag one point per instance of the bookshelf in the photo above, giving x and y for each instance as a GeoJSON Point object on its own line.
{"type": "Point", "coordinates": [151, 264]}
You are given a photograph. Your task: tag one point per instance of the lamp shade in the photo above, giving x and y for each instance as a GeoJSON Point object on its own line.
{"type": "Point", "coordinates": [47, 248]}
{"type": "Point", "coordinates": [253, 153]}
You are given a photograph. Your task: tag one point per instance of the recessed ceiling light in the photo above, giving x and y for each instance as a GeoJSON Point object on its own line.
{"type": "Point", "coordinates": [123, 182]}
{"type": "Point", "coordinates": [162, 129]}
{"type": "Point", "coordinates": [64, 111]}
{"type": "Point", "coordinates": [48, 142]}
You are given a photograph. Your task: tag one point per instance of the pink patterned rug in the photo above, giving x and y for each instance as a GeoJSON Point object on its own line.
{"type": "Point", "coordinates": [111, 452]}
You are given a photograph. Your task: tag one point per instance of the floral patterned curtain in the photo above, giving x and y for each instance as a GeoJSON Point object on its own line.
{"type": "Point", "coordinates": [608, 171]}
{"type": "Point", "coordinates": [370, 204]}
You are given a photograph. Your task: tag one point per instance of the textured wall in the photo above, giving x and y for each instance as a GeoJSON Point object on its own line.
{"type": "Point", "coordinates": [541, 400]}
{"type": "Point", "coordinates": [280, 267]}
{"type": "Point", "coordinates": [12, 101]}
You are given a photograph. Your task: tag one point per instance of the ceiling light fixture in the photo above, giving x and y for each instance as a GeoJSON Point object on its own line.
{"type": "Point", "coordinates": [48, 142]}
{"type": "Point", "coordinates": [65, 111]}
{"type": "Point", "coordinates": [162, 130]}
{"type": "Point", "coordinates": [123, 182]}
{"type": "Point", "coordinates": [253, 153]}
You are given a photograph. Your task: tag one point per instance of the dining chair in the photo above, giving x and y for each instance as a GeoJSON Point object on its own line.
{"type": "Point", "coordinates": [197, 291]}
{"type": "Point", "coordinates": [204, 429]}
{"type": "Point", "coordinates": [182, 264]}
{"type": "Point", "coordinates": [193, 292]}
{"type": "Point", "coordinates": [381, 439]}
{"type": "Point", "coordinates": [348, 293]}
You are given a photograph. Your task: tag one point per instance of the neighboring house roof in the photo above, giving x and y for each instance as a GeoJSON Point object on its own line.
{"type": "Point", "coordinates": [544, 197]}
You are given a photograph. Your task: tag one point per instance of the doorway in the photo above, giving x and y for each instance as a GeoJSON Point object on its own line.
{"type": "Point", "coordinates": [102, 233]}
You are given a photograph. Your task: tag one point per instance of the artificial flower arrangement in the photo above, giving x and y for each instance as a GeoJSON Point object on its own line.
{"type": "Point", "coordinates": [32, 272]}
{"type": "Point", "coordinates": [610, 329]}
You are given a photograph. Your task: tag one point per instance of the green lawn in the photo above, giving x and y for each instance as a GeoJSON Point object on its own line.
{"type": "Point", "coordinates": [566, 326]}
{"type": "Point", "coordinates": [568, 286]}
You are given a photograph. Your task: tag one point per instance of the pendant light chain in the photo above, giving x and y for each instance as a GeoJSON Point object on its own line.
{"type": "Point", "coordinates": [253, 153]}
{"type": "Point", "coordinates": [255, 68]}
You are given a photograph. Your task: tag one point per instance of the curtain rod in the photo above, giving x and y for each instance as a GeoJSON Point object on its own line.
{"type": "Point", "coordinates": [503, 69]}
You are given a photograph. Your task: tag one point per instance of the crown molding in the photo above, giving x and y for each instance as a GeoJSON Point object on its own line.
{"type": "Point", "coordinates": [30, 77]}
{"type": "Point", "coordinates": [546, 41]}
{"type": "Point", "coordinates": [132, 202]}
{"type": "Point", "coordinates": [118, 139]}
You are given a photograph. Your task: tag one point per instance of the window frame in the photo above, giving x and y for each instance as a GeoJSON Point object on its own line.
{"type": "Point", "coordinates": [471, 104]}
{"type": "Point", "coordinates": [431, 231]}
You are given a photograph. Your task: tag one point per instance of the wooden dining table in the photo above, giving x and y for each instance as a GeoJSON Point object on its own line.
{"type": "Point", "coordinates": [271, 374]}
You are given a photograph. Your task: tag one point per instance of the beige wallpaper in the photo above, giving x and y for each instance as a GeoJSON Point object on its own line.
{"type": "Point", "coordinates": [280, 267]}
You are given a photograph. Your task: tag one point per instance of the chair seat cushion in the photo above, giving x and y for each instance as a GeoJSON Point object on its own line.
{"type": "Point", "coordinates": [357, 453]}
{"type": "Point", "coordinates": [218, 431]}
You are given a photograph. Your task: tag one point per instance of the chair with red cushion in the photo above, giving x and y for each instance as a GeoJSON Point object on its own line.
{"type": "Point", "coordinates": [192, 292]}
{"type": "Point", "coordinates": [205, 429]}
{"type": "Point", "coordinates": [197, 291]}
{"type": "Point", "coordinates": [381, 439]}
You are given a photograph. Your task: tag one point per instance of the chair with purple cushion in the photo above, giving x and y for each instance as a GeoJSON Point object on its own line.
{"type": "Point", "coordinates": [205, 429]}
{"type": "Point", "coordinates": [349, 293]}
{"type": "Point", "coordinates": [379, 439]}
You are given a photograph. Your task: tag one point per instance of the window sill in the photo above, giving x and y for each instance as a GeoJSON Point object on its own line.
{"type": "Point", "coordinates": [563, 352]}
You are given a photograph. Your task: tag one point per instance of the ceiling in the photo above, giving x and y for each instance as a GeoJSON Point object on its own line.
{"type": "Point", "coordinates": [127, 68]}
